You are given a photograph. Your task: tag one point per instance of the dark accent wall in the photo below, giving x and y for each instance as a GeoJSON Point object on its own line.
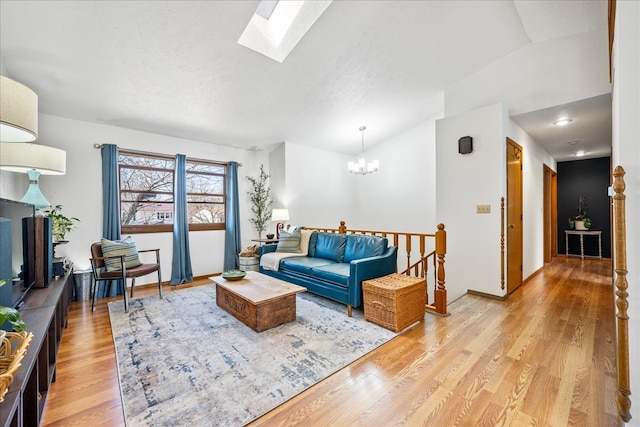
{"type": "Point", "coordinates": [588, 178]}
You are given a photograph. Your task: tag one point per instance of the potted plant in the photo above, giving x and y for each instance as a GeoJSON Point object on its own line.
{"type": "Point", "coordinates": [60, 224]}
{"type": "Point", "coordinates": [260, 197]}
{"type": "Point", "coordinates": [580, 221]}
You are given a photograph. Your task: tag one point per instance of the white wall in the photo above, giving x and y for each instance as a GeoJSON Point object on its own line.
{"type": "Point", "coordinates": [80, 190]}
{"type": "Point", "coordinates": [317, 190]}
{"type": "Point", "coordinates": [464, 181]}
{"type": "Point", "coordinates": [401, 195]}
{"type": "Point", "coordinates": [626, 152]}
{"type": "Point", "coordinates": [537, 76]}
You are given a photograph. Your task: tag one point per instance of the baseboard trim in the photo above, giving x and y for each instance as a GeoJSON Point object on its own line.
{"type": "Point", "coordinates": [485, 295]}
{"type": "Point", "coordinates": [532, 275]}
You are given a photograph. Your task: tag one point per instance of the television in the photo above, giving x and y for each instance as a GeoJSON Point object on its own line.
{"type": "Point", "coordinates": [17, 251]}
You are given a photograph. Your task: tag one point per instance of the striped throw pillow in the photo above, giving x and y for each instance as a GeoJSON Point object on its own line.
{"type": "Point", "coordinates": [289, 241]}
{"type": "Point", "coordinates": [126, 247]}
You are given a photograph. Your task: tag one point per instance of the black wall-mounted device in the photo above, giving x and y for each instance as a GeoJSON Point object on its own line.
{"type": "Point", "coordinates": [465, 145]}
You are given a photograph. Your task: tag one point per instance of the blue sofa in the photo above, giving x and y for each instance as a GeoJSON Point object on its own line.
{"type": "Point", "coordinates": [336, 265]}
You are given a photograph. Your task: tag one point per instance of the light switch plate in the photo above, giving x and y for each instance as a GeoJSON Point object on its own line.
{"type": "Point", "coordinates": [483, 209]}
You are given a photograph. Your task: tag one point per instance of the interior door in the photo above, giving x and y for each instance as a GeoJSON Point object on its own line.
{"type": "Point", "coordinates": [514, 215]}
{"type": "Point", "coordinates": [550, 209]}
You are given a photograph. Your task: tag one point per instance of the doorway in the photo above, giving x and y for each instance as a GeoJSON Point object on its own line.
{"type": "Point", "coordinates": [550, 213]}
{"type": "Point", "coordinates": [514, 216]}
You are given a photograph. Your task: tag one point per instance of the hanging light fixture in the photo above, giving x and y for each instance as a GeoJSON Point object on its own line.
{"type": "Point", "coordinates": [18, 112]}
{"type": "Point", "coordinates": [362, 167]}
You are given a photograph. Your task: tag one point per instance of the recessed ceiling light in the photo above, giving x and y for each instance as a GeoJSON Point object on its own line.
{"type": "Point", "coordinates": [573, 142]}
{"type": "Point", "coordinates": [562, 122]}
{"type": "Point", "coordinates": [580, 153]}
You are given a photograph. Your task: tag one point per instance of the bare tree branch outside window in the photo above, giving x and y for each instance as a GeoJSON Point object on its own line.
{"type": "Point", "coordinates": [146, 193]}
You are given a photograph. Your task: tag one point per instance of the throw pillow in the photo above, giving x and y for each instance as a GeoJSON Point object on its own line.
{"type": "Point", "coordinates": [289, 241]}
{"type": "Point", "coordinates": [126, 247]}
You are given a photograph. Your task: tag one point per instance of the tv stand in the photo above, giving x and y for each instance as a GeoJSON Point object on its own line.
{"type": "Point", "coordinates": [45, 313]}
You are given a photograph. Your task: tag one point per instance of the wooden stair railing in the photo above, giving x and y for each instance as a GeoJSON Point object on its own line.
{"type": "Point", "coordinates": [623, 393]}
{"type": "Point", "coordinates": [419, 268]}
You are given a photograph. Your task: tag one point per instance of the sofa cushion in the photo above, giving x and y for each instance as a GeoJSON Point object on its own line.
{"type": "Point", "coordinates": [303, 264]}
{"type": "Point", "coordinates": [335, 273]}
{"type": "Point", "coordinates": [331, 246]}
{"type": "Point", "coordinates": [289, 241]}
{"type": "Point", "coordinates": [362, 246]}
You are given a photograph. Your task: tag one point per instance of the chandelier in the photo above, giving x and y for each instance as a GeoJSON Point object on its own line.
{"type": "Point", "coordinates": [362, 167]}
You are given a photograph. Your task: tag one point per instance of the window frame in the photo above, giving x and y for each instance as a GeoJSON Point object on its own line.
{"type": "Point", "coordinates": [161, 228]}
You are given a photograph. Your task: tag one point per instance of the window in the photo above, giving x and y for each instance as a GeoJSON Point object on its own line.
{"type": "Point", "coordinates": [146, 193]}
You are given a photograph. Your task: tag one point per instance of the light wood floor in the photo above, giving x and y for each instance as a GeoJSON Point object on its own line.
{"type": "Point", "coordinates": [543, 357]}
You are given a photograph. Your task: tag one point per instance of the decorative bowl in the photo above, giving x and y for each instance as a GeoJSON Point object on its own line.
{"type": "Point", "coordinates": [270, 236]}
{"type": "Point", "coordinates": [234, 274]}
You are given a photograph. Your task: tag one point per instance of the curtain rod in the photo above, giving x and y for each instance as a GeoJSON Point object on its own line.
{"type": "Point", "coordinates": [98, 146]}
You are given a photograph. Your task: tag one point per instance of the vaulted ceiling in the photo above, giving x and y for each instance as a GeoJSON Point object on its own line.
{"type": "Point", "coordinates": [175, 68]}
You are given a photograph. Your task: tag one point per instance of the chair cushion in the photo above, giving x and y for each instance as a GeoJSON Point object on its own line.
{"type": "Point", "coordinates": [126, 247]}
{"type": "Point", "coordinates": [289, 241]}
{"type": "Point", "coordinates": [362, 246]}
{"type": "Point", "coordinates": [140, 270]}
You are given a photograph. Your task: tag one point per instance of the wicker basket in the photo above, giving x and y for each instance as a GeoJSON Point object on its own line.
{"type": "Point", "coordinates": [13, 347]}
{"type": "Point", "coordinates": [394, 301]}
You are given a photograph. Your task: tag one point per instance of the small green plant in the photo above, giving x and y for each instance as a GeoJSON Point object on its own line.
{"type": "Point", "coordinates": [260, 197]}
{"type": "Point", "coordinates": [11, 315]}
{"type": "Point", "coordinates": [61, 224]}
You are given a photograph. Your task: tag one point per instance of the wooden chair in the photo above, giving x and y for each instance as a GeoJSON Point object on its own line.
{"type": "Point", "coordinates": [100, 272]}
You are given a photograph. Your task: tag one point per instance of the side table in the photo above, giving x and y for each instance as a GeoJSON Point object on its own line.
{"type": "Point", "coordinates": [582, 233]}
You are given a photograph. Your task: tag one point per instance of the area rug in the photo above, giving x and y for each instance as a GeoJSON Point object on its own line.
{"type": "Point", "coordinates": [184, 361]}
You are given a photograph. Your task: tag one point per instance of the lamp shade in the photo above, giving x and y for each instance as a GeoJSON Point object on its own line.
{"type": "Point", "coordinates": [22, 157]}
{"type": "Point", "coordinates": [18, 112]}
{"type": "Point", "coordinates": [280, 215]}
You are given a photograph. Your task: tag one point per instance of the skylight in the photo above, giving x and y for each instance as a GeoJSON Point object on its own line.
{"type": "Point", "coordinates": [277, 26]}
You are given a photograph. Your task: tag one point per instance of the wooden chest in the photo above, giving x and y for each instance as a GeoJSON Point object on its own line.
{"type": "Point", "coordinates": [259, 301]}
{"type": "Point", "coordinates": [394, 301]}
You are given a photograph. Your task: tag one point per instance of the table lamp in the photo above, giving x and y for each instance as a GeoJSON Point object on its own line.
{"type": "Point", "coordinates": [34, 160]}
{"type": "Point", "coordinates": [279, 215]}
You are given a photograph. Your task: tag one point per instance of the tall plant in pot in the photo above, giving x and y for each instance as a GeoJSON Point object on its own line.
{"type": "Point", "coordinates": [260, 198]}
{"type": "Point", "coordinates": [581, 221]}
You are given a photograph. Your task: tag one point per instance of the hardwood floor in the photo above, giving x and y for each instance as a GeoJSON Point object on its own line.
{"type": "Point", "coordinates": [543, 357]}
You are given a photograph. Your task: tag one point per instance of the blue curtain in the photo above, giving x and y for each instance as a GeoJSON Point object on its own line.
{"type": "Point", "coordinates": [110, 211]}
{"type": "Point", "coordinates": [181, 264]}
{"type": "Point", "coordinates": [232, 234]}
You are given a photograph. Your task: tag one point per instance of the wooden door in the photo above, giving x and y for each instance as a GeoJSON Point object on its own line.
{"type": "Point", "coordinates": [550, 213]}
{"type": "Point", "coordinates": [514, 215]}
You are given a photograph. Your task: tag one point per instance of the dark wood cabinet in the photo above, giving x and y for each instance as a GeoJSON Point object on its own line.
{"type": "Point", "coordinates": [45, 313]}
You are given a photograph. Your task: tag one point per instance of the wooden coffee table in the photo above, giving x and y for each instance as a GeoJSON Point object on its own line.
{"type": "Point", "coordinates": [259, 301]}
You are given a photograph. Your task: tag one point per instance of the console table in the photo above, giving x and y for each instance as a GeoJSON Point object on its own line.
{"type": "Point", "coordinates": [582, 233]}
{"type": "Point", "coordinates": [45, 313]}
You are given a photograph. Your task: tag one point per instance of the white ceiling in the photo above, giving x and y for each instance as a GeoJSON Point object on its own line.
{"type": "Point", "coordinates": [175, 68]}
